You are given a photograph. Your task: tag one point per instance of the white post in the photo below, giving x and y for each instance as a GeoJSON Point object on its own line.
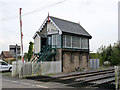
{"type": "Point", "coordinates": [116, 77]}
{"type": "Point", "coordinates": [16, 60]}
{"type": "Point", "coordinates": [21, 35]}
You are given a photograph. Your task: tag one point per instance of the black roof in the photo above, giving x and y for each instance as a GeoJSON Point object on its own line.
{"type": "Point", "coordinates": [41, 35]}
{"type": "Point", "coordinates": [13, 46]}
{"type": "Point", "coordinates": [70, 27]}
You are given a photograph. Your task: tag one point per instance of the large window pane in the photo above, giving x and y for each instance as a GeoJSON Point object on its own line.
{"type": "Point", "coordinates": [56, 40]}
{"type": "Point", "coordinates": [84, 43]}
{"type": "Point", "coordinates": [75, 42]}
{"type": "Point", "coordinates": [80, 44]}
{"type": "Point", "coordinates": [68, 41]}
{"type": "Point", "coordinates": [64, 41]}
{"type": "Point", "coordinates": [53, 40]}
{"type": "Point", "coordinates": [49, 40]}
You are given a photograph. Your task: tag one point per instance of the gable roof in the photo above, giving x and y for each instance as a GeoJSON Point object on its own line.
{"type": "Point", "coordinates": [6, 54]}
{"type": "Point", "coordinates": [70, 27]}
{"type": "Point", "coordinates": [39, 34]}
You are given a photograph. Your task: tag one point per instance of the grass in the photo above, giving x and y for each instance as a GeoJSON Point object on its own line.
{"type": "Point", "coordinates": [52, 74]}
{"type": "Point", "coordinates": [7, 75]}
{"type": "Point", "coordinates": [4, 72]}
{"type": "Point", "coordinates": [104, 67]}
{"type": "Point", "coordinates": [101, 68]}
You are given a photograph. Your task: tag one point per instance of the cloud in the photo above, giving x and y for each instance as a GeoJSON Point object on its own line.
{"type": "Point", "coordinates": [98, 17]}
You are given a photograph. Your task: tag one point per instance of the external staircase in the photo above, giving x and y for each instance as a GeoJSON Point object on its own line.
{"type": "Point", "coordinates": [45, 53]}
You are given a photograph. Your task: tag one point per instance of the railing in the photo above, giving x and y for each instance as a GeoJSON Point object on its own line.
{"type": "Point", "coordinates": [38, 54]}
{"type": "Point", "coordinates": [43, 55]}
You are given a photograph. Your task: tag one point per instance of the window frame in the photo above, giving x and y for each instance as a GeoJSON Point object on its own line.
{"type": "Point", "coordinates": [69, 42]}
{"type": "Point", "coordinates": [77, 38]}
{"type": "Point", "coordinates": [56, 42]}
{"type": "Point", "coordinates": [86, 44]}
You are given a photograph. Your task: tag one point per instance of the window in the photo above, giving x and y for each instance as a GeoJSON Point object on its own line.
{"type": "Point", "coordinates": [56, 40]}
{"type": "Point", "coordinates": [75, 42]}
{"type": "Point", "coordinates": [53, 40]}
{"type": "Point", "coordinates": [84, 43]}
{"type": "Point", "coordinates": [49, 40]}
{"type": "Point", "coordinates": [80, 43]}
{"type": "Point", "coordinates": [68, 41]}
{"type": "Point", "coordinates": [64, 41]}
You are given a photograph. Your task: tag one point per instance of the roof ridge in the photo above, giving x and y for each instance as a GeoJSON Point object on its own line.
{"type": "Point", "coordinates": [65, 20]}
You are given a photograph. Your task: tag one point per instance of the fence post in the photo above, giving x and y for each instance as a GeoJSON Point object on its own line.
{"type": "Point", "coordinates": [116, 77]}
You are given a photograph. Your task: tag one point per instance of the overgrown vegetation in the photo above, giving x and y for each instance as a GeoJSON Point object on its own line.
{"type": "Point", "coordinates": [109, 53]}
{"type": "Point", "coordinates": [28, 56]}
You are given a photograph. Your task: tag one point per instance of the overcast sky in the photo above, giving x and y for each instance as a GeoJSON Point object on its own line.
{"type": "Point", "coordinates": [98, 17]}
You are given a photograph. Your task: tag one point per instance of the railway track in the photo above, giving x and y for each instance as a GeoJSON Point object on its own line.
{"type": "Point", "coordinates": [81, 79]}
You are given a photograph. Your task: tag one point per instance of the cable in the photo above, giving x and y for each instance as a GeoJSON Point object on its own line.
{"type": "Point", "coordinates": [44, 7]}
{"type": "Point", "coordinates": [54, 4]}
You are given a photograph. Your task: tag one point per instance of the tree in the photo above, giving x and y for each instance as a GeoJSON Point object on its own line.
{"type": "Point", "coordinates": [30, 51]}
{"type": "Point", "coordinates": [26, 56]}
{"type": "Point", "coordinates": [102, 54]}
{"type": "Point", "coordinates": [110, 53]}
{"type": "Point", "coordinates": [116, 54]}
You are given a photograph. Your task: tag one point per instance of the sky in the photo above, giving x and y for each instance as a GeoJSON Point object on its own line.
{"type": "Point", "coordinates": [98, 17]}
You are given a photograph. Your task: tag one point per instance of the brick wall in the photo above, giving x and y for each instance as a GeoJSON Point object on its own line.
{"type": "Point", "coordinates": [72, 60]}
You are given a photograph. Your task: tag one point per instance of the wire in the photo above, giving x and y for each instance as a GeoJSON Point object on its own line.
{"type": "Point", "coordinates": [54, 4]}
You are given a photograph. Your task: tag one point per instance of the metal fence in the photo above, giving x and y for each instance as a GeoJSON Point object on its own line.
{"type": "Point", "coordinates": [34, 69]}
{"type": "Point", "coordinates": [94, 63]}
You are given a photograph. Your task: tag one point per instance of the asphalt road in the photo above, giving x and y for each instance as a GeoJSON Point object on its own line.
{"type": "Point", "coordinates": [14, 83]}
